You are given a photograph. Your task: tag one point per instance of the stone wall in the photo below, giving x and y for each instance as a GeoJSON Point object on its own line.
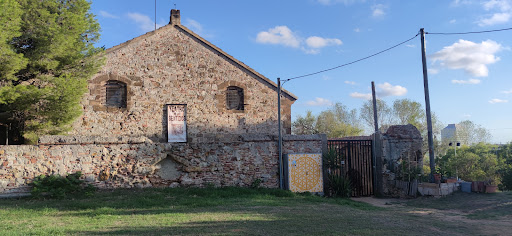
{"type": "Point", "coordinates": [175, 66]}
{"type": "Point", "coordinates": [106, 162]}
{"type": "Point", "coordinates": [402, 157]}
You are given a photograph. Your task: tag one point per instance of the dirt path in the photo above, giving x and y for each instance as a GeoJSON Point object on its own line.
{"type": "Point", "coordinates": [499, 226]}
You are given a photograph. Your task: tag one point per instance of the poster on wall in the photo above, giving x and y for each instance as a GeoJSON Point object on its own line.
{"type": "Point", "coordinates": [176, 123]}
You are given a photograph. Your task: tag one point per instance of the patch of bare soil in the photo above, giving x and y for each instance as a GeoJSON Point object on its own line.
{"type": "Point", "coordinates": [500, 226]}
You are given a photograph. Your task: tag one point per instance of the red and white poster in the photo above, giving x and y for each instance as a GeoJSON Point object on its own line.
{"type": "Point", "coordinates": [176, 123]}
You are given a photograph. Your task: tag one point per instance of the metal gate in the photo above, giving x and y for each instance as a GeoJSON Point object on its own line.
{"type": "Point", "coordinates": [356, 164]}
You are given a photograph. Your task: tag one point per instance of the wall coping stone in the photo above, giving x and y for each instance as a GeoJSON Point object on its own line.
{"type": "Point", "coordinates": [205, 138]}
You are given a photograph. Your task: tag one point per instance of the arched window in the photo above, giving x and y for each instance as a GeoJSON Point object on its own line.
{"type": "Point", "coordinates": [235, 98]}
{"type": "Point", "coordinates": [115, 94]}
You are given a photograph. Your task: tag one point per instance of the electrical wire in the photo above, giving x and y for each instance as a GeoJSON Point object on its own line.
{"type": "Point", "coordinates": [472, 32]}
{"type": "Point", "coordinates": [358, 60]}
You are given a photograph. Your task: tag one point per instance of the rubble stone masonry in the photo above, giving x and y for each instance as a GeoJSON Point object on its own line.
{"type": "Point", "coordinates": [173, 66]}
{"type": "Point", "coordinates": [126, 162]}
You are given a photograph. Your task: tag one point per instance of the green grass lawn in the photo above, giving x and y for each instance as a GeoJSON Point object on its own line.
{"type": "Point", "coordinates": [219, 211]}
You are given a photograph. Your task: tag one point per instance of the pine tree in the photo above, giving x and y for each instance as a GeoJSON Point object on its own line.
{"type": "Point", "coordinates": [47, 54]}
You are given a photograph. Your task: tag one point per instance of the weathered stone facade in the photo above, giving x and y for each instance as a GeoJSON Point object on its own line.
{"type": "Point", "coordinates": [402, 156]}
{"type": "Point", "coordinates": [173, 65]}
{"type": "Point", "coordinates": [219, 160]}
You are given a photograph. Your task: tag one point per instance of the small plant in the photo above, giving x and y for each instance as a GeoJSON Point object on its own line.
{"type": "Point", "coordinates": [57, 186]}
{"type": "Point", "coordinates": [256, 183]}
{"type": "Point", "coordinates": [337, 184]}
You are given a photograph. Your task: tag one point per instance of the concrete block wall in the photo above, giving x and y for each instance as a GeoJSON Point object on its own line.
{"type": "Point", "coordinates": [108, 162]}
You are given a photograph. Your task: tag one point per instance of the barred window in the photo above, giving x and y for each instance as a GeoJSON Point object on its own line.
{"type": "Point", "coordinates": [115, 94]}
{"type": "Point", "coordinates": [235, 98]}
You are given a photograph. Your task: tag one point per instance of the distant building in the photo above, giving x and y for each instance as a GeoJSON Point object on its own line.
{"type": "Point", "coordinates": [449, 133]}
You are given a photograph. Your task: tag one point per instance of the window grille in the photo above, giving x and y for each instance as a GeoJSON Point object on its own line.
{"type": "Point", "coordinates": [235, 98]}
{"type": "Point", "coordinates": [115, 94]}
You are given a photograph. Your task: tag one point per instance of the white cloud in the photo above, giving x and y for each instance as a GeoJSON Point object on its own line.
{"type": "Point", "coordinates": [472, 57]}
{"type": "Point", "coordinates": [350, 82]}
{"type": "Point", "coordinates": [469, 81]}
{"type": "Point", "coordinates": [453, 21]}
{"type": "Point", "coordinates": [507, 91]}
{"type": "Point", "coordinates": [410, 45]}
{"type": "Point", "coordinates": [379, 10]}
{"type": "Point", "coordinates": [383, 90]}
{"type": "Point", "coordinates": [496, 18]}
{"type": "Point", "coordinates": [319, 42]}
{"type": "Point", "coordinates": [357, 30]}
{"type": "Point", "coordinates": [386, 89]}
{"type": "Point", "coordinates": [282, 35]}
{"type": "Point", "coordinates": [365, 96]}
{"type": "Point", "coordinates": [279, 35]}
{"type": "Point", "coordinates": [108, 15]}
{"type": "Point", "coordinates": [145, 23]}
{"type": "Point", "coordinates": [319, 102]}
{"type": "Point", "coordinates": [502, 12]}
{"type": "Point", "coordinates": [496, 100]}
{"type": "Point", "coordinates": [502, 5]}
{"type": "Point", "coordinates": [466, 115]}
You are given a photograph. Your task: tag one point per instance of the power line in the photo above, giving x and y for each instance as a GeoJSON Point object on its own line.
{"type": "Point", "coordinates": [361, 59]}
{"type": "Point", "coordinates": [472, 32]}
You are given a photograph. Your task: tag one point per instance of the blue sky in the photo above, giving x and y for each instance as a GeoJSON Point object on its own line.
{"type": "Point", "coordinates": [469, 75]}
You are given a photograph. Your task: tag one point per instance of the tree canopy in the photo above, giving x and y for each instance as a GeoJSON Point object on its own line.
{"type": "Point", "coordinates": [47, 54]}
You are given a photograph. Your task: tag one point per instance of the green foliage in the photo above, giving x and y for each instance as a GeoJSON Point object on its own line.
{"type": "Point", "coordinates": [337, 184]}
{"type": "Point", "coordinates": [472, 163]}
{"type": "Point", "coordinates": [256, 183]}
{"type": "Point", "coordinates": [56, 186]}
{"type": "Point", "coordinates": [47, 54]}
{"type": "Point", "coordinates": [335, 122]}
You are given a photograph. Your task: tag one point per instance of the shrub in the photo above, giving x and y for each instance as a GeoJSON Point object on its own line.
{"type": "Point", "coordinates": [337, 184]}
{"type": "Point", "coordinates": [57, 186]}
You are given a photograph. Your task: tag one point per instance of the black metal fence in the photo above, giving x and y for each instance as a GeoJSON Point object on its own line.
{"type": "Point", "coordinates": [356, 162]}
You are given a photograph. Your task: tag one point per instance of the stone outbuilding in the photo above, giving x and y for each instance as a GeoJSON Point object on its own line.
{"type": "Point", "coordinates": [173, 65]}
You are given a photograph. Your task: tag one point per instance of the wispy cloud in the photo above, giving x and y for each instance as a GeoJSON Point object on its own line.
{"type": "Point", "coordinates": [365, 96]}
{"type": "Point", "coordinates": [282, 35]}
{"type": "Point", "coordinates": [472, 57]}
{"type": "Point", "coordinates": [197, 28]}
{"type": "Point", "coordinates": [379, 10]}
{"type": "Point", "coordinates": [319, 102]}
{"type": "Point", "coordinates": [507, 91]}
{"type": "Point", "coordinates": [500, 12]}
{"type": "Point", "coordinates": [453, 21]}
{"type": "Point", "coordinates": [108, 15]}
{"type": "Point", "coordinates": [469, 81]}
{"type": "Point", "coordinates": [357, 30]}
{"type": "Point", "coordinates": [144, 22]}
{"type": "Point", "coordinates": [410, 45]}
{"type": "Point", "coordinates": [496, 18]}
{"type": "Point", "coordinates": [496, 100]}
{"type": "Point", "coordinates": [383, 90]}
{"type": "Point", "coordinates": [350, 82]}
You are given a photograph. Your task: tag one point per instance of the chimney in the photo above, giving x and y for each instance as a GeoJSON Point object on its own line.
{"type": "Point", "coordinates": [175, 17]}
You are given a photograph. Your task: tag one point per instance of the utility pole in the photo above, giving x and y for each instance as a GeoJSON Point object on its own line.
{"type": "Point", "coordinates": [280, 138]}
{"type": "Point", "coordinates": [377, 146]}
{"type": "Point", "coordinates": [427, 107]}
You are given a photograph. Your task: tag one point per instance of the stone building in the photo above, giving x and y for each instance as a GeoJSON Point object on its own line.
{"type": "Point", "coordinates": [149, 86]}
{"type": "Point", "coordinates": [173, 65]}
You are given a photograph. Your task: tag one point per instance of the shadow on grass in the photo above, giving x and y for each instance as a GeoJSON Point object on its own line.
{"type": "Point", "coordinates": [476, 205]}
{"type": "Point", "coordinates": [156, 200]}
